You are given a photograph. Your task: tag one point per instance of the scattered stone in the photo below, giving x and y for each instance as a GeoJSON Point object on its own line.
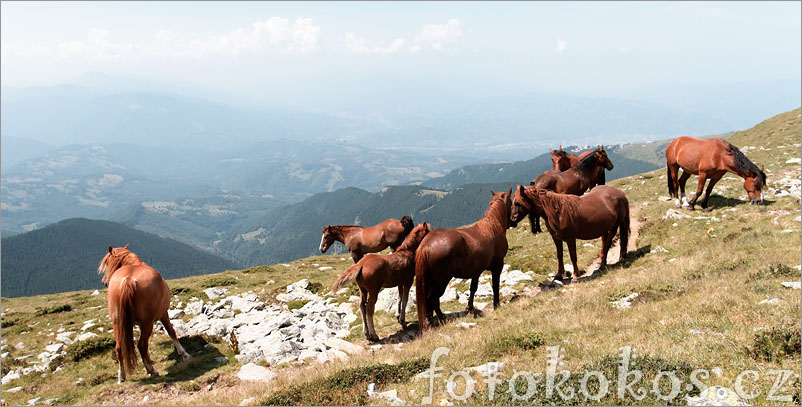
{"type": "Point", "coordinates": [345, 346]}
{"type": "Point", "coordinates": [488, 368]}
{"type": "Point", "coordinates": [324, 268]}
{"type": "Point", "coordinates": [94, 293]}
{"type": "Point", "coordinates": [55, 348]}
{"type": "Point", "coordinates": [194, 308]}
{"type": "Point", "coordinates": [716, 396]}
{"type": "Point", "coordinates": [664, 199]}
{"type": "Point", "coordinates": [466, 325]}
{"type": "Point", "coordinates": [588, 245]}
{"type": "Point", "coordinates": [658, 249]}
{"type": "Point", "coordinates": [215, 292]}
{"type": "Point", "coordinates": [673, 259]}
{"type": "Point", "coordinates": [771, 301]}
{"type": "Point", "coordinates": [175, 313]}
{"type": "Point", "coordinates": [675, 214]}
{"type": "Point", "coordinates": [247, 402]}
{"type": "Point", "coordinates": [796, 160]}
{"type": "Point", "coordinates": [14, 390]}
{"type": "Point", "coordinates": [12, 375]}
{"type": "Point", "coordinates": [625, 302]}
{"type": "Point", "coordinates": [85, 336]}
{"type": "Point", "coordinates": [19, 346]}
{"type": "Point", "coordinates": [796, 285]}
{"type": "Point", "coordinates": [33, 401]}
{"type": "Point", "coordinates": [252, 372]}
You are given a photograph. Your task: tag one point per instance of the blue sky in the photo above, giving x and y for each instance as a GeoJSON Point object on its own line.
{"type": "Point", "coordinates": [302, 50]}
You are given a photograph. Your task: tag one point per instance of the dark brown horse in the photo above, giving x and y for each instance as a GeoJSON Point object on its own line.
{"type": "Point", "coordinates": [138, 295]}
{"type": "Point", "coordinates": [710, 159]}
{"type": "Point", "coordinates": [599, 213]}
{"type": "Point", "coordinates": [360, 239]}
{"type": "Point", "coordinates": [461, 253]}
{"type": "Point", "coordinates": [575, 180]}
{"type": "Point", "coordinates": [376, 271]}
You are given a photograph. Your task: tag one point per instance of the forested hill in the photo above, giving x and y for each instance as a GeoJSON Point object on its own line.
{"type": "Point", "coordinates": [64, 256]}
{"type": "Point", "coordinates": [522, 172]}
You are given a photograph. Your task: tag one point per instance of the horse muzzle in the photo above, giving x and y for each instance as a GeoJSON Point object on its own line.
{"type": "Point", "coordinates": [513, 224]}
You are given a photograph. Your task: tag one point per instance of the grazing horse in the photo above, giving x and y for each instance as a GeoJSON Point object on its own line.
{"type": "Point", "coordinates": [710, 159]}
{"type": "Point", "coordinates": [360, 239]}
{"type": "Point", "coordinates": [375, 272]}
{"type": "Point", "coordinates": [598, 213]}
{"type": "Point", "coordinates": [461, 253]}
{"type": "Point", "coordinates": [138, 295]}
{"type": "Point", "coordinates": [575, 180]}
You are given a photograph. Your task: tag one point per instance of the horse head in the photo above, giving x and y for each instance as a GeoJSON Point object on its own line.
{"type": "Point", "coordinates": [415, 237]}
{"type": "Point", "coordinates": [602, 159]}
{"type": "Point", "coordinates": [506, 202]}
{"type": "Point", "coordinates": [328, 237]}
{"type": "Point", "coordinates": [753, 184]}
{"type": "Point", "coordinates": [521, 206]}
{"type": "Point", "coordinates": [560, 160]}
{"type": "Point", "coordinates": [113, 260]}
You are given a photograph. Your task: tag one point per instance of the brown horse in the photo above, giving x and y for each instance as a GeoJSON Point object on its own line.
{"type": "Point", "coordinates": [710, 159]}
{"type": "Point", "coordinates": [461, 253]}
{"type": "Point", "coordinates": [138, 295]}
{"type": "Point", "coordinates": [375, 272]}
{"type": "Point", "coordinates": [575, 180]}
{"type": "Point", "coordinates": [599, 213]}
{"type": "Point", "coordinates": [563, 161]}
{"type": "Point", "coordinates": [360, 239]}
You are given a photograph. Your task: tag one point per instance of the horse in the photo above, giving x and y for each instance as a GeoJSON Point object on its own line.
{"type": "Point", "coordinates": [710, 159]}
{"type": "Point", "coordinates": [563, 161]}
{"type": "Point", "coordinates": [374, 272]}
{"type": "Point", "coordinates": [138, 295]}
{"type": "Point", "coordinates": [461, 253]}
{"type": "Point", "coordinates": [599, 213]}
{"type": "Point", "coordinates": [585, 174]}
{"type": "Point", "coordinates": [360, 239]}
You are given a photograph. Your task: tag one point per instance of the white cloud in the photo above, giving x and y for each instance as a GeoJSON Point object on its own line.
{"type": "Point", "coordinates": [274, 35]}
{"type": "Point", "coordinates": [357, 45]}
{"type": "Point", "coordinates": [561, 45]}
{"type": "Point", "coordinates": [435, 35]}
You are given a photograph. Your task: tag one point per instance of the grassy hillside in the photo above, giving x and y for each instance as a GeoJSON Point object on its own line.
{"type": "Point", "coordinates": [710, 297]}
{"type": "Point", "coordinates": [74, 247]}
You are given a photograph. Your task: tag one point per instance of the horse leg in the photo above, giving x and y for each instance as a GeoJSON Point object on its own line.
{"type": "Point", "coordinates": [682, 180]}
{"type": "Point", "coordinates": [560, 266]}
{"type": "Point", "coordinates": [571, 243]}
{"type": "Point", "coordinates": [168, 326]}
{"type": "Point", "coordinates": [371, 306]}
{"type": "Point", "coordinates": [495, 274]}
{"type": "Point", "coordinates": [118, 351]}
{"type": "Point", "coordinates": [534, 223]}
{"type": "Point", "coordinates": [363, 304]}
{"type": "Point", "coordinates": [713, 181]}
{"type": "Point", "coordinates": [607, 243]}
{"type": "Point", "coordinates": [146, 329]}
{"type": "Point", "coordinates": [702, 179]}
{"type": "Point", "coordinates": [673, 172]}
{"type": "Point", "coordinates": [474, 286]}
{"type": "Point", "coordinates": [356, 256]}
{"type": "Point", "coordinates": [403, 294]}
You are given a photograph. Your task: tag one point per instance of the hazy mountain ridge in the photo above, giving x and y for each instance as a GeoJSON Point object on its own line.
{"type": "Point", "coordinates": [64, 256]}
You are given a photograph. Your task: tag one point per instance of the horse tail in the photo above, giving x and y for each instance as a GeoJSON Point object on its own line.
{"type": "Point", "coordinates": [670, 181]}
{"type": "Point", "coordinates": [407, 223]}
{"type": "Point", "coordinates": [124, 324]}
{"type": "Point", "coordinates": [624, 230]}
{"type": "Point", "coordinates": [347, 277]}
{"type": "Point", "coordinates": [421, 263]}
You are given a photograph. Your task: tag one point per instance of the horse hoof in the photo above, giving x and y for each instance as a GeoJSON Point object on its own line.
{"type": "Point", "coordinates": [706, 209]}
{"type": "Point", "coordinates": [153, 374]}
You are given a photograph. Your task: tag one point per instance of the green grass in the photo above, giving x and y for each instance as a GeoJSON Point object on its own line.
{"type": "Point", "coordinates": [78, 351]}
{"type": "Point", "coordinates": [53, 310]}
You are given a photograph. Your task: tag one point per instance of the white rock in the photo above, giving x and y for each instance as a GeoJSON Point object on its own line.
{"type": "Point", "coordinates": [215, 292]}
{"type": "Point", "coordinates": [12, 375]}
{"type": "Point", "coordinates": [345, 346]}
{"type": "Point", "coordinates": [247, 402]}
{"type": "Point", "coordinates": [675, 214]}
{"type": "Point", "coordinates": [14, 390]}
{"type": "Point", "coordinates": [771, 301]}
{"type": "Point", "coordinates": [796, 160]}
{"type": "Point", "coordinates": [466, 325]}
{"type": "Point", "coordinates": [588, 245]}
{"type": "Point", "coordinates": [390, 396]}
{"type": "Point", "coordinates": [488, 368]}
{"type": "Point", "coordinates": [658, 249]}
{"type": "Point", "coordinates": [792, 284]}
{"type": "Point", "coordinates": [324, 268]}
{"type": "Point", "coordinates": [175, 313]}
{"type": "Point", "coordinates": [88, 326]}
{"type": "Point", "coordinates": [484, 290]}
{"type": "Point", "coordinates": [33, 401]}
{"type": "Point", "coordinates": [252, 372]}
{"type": "Point", "coordinates": [194, 308]}
{"type": "Point", "coordinates": [85, 336]}
{"type": "Point", "coordinates": [625, 302]}
{"type": "Point", "coordinates": [96, 292]}
{"type": "Point", "coordinates": [716, 396]}
{"type": "Point", "coordinates": [55, 348]}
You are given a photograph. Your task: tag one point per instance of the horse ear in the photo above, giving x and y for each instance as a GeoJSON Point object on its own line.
{"type": "Point", "coordinates": [492, 193]}
{"type": "Point", "coordinates": [551, 151]}
{"type": "Point", "coordinates": [110, 249]}
{"type": "Point", "coordinates": [601, 147]}
{"type": "Point", "coordinates": [762, 169]}
{"type": "Point", "coordinates": [510, 193]}
{"type": "Point", "coordinates": [561, 147]}
{"type": "Point", "coordinates": [126, 246]}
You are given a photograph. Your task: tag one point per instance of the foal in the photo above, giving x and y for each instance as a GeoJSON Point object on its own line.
{"type": "Point", "coordinates": [374, 272]}
{"type": "Point", "coordinates": [373, 239]}
{"type": "Point", "coordinates": [138, 295]}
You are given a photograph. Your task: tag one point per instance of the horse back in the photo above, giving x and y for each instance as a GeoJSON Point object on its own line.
{"type": "Point", "coordinates": [151, 294]}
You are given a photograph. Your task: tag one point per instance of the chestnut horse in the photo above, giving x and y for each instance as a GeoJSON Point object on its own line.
{"type": "Point", "coordinates": [461, 253]}
{"type": "Point", "coordinates": [599, 213]}
{"type": "Point", "coordinates": [710, 159]}
{"type": "Point", "coordinates": [138, 295]}
{"type": "Point", "coordinates": [563, 161]}
{"type": "Point", "coordinates": [575, 180]}
{"type": "Point", "coordinates": [360, 239]}
{"type": "Point", "coordinates": [375, 272]}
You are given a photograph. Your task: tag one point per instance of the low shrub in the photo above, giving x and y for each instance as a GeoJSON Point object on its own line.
{"type": "Point", "coordinates": [507, 342]}
{"type": "Point", "coordinates": [90, 347]}
{"type": "Point", "coordinates": [218, 281]}
{"type": "Point", "coordinates": [259, 269]}
{"type": "Point", "coordinates": [774, 271]}
{"type": "Point", "coordinates": [53, 310]}
{"type": "Point", "coordinates": [296, 304]}
{"type": "Point", "coordinates": [776, 344]}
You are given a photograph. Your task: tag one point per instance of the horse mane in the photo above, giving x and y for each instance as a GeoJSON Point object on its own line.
{"type": "Point", "coordinates": [496, 208]}
{"type": "Point", "coordinates": [409, 241]}
{"type": "Point", "coordinates": [337, 229]}
{"type": "Point", "coordinates": [408, 224]}
{"type": "Point", "coordinates": [587, 163]}
{"type": "Point", "coordinates": [112, 262]}
{"type": "Point", "coordinates": [745, 165]}
{"type": "Point", "coordinates": [553, 204]}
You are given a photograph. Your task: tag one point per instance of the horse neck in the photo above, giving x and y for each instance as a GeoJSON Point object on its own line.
{"type": "Point", "coordinates": [495, 216]}
{"type": "Point", "coordinates": [127, 259]}
{"type": "Point", "coordinates": [341, 232]}
{"type": "Point", "coordinates": [552, 204]}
